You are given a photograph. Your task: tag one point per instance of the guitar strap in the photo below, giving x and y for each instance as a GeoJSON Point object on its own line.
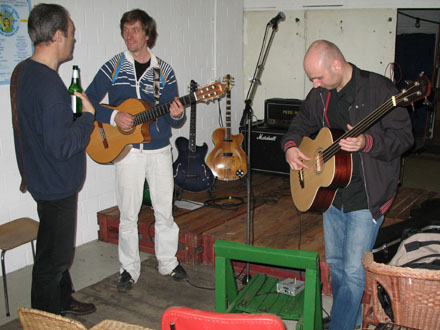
{"type": "Point", "coordinates": [15, 125]}
{"type": "Point", "coordinates": [117, 67]}
{"type": "Point", "coordinates": [156, 84]}
{"type": "Point", "coordinates": [156, 87]}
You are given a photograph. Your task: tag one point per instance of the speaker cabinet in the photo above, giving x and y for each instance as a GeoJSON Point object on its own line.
{"type": "Point", "coordinates": [266, 153]}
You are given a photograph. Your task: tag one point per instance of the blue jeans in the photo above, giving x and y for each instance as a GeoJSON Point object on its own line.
{"type": "Point", "coordinates": [347, 237]}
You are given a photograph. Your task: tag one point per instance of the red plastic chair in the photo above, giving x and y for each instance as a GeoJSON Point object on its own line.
{"type": "Point", "coordinates": [183, 318]}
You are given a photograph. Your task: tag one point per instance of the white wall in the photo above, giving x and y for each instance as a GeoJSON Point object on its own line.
{"type": "Point", "coordinates": [336, 4]}
{"type": "Point", "coordinates": [364, 30]}
{"type": "Point", "coordinates": [201, 39]}
{"type": "Point", "coordinates": [365, 36]}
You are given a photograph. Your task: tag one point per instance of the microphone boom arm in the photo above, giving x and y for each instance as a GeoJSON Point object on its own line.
{"type": "Point", "coordinates": [247, 113]}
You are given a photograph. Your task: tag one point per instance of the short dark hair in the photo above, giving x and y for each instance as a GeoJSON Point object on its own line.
{"type": "Point", "coordinates": [148, 24]}
{"type": "Point", "coordinates": [45, 20]}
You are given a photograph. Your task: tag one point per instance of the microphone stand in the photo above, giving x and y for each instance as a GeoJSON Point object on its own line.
{"type": "Point", "coordinates": [247, 119]}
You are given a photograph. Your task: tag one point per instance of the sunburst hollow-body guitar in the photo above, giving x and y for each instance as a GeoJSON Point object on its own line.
{"type": "Point", "coordinates": [227, 160]}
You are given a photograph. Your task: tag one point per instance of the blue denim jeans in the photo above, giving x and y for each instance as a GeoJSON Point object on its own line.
{"type": "Point", "coordinates": [347, 237]}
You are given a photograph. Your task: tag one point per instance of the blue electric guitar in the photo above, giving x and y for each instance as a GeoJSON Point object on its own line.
{"type": "Point", "coordinates": [190, 170]}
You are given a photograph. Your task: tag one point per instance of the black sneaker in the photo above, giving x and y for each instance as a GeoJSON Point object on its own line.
{"type": "Point", "coordinates": [178, 273]}
{"type": "Point", "coordinates": [125, 282]}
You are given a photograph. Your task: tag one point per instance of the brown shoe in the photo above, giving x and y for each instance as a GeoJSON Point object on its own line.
{"type": "Point", "coordinates": [78, 308]}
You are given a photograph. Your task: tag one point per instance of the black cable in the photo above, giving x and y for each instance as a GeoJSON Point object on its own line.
{"type": "Point", "coordinates": [299, 229]}
{"type": "Point", "coordinates": [259, 60]}
{"type": "Point", "coordinates": [220, 116]}
{"type": "Point", "coordinates": [323, 309]}
{"type": "Point", "coordinates": [198, 286]}
{"type": "Point", "coordinates": [417, 18]}
{"type": "Point", "coordinates": [225, 203]}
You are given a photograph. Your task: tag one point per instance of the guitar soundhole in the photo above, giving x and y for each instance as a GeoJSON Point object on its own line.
{"type": "Point", "coordinates": [318, 161]}
{"type": "Point", "coordinates": [126, 132]}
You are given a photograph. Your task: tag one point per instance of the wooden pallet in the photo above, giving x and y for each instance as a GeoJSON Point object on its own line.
{"type": "Point", "coordinates": [276, 223]}
{"type": "Point", "coordinates": [189, 250]}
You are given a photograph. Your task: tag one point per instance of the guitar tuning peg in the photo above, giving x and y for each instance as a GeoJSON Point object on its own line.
{"type": "Point", "coordinates": [421, 74]}
{"type": "Point", "coordinates": [412, 107]}
{"type": "Point", "coordinates": [427, 102]}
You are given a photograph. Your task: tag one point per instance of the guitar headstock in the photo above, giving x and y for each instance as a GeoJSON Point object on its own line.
{"type": "Point", "coordinates": [210, 92]}
{"type": "Point", "coordinates": [419, 89]}
{"type": "Point", "coordinates": [229, 81]}
{"type": "Point", "coordinates": [193, 86]}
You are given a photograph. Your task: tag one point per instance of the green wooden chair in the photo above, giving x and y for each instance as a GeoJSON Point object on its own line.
{"type": "Point", "coordinates": [260, 295]}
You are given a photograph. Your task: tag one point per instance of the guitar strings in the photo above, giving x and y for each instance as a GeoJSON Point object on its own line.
{"type": "Point", "coordinates": [365, 123]}
{"type": "Point", "coordinates": [157, 111]}
{"type": "Point", "coordinates": [329, 152]}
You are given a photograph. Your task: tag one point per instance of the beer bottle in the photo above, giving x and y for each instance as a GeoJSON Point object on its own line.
{"type": "Point", "coordinates": [75, 85]}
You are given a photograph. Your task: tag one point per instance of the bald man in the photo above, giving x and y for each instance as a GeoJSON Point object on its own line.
{"type": "Point", "coordinates": [342, 95]}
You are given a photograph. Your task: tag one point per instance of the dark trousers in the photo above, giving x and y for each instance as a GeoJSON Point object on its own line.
{"type": "Point", "coordinates": [51, 284]}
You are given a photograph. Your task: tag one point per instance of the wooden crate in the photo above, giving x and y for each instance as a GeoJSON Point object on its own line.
{"type": "Point", "coordinates": [190, 246]}
{"type": "Point", "coordinates": [108, 222]}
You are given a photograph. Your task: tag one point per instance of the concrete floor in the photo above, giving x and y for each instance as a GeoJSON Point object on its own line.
{"type": "Point", "coordinates": [93, 262]}
{"type": "Point", "coordinates": [97, 260]}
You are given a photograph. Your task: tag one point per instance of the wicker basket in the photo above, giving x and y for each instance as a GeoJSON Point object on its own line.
{"type": "Point", "coordinates": [34, 319]}
{"type": "Point", "coordinates": [117, 325]}
{"type": "Point", "coordinates": [414, 294]}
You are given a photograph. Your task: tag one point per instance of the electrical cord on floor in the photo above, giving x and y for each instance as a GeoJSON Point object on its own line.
{"type": "Point", "coordinates": [198, 286]}
{"type": "Point", "coordinates": [225, 203]}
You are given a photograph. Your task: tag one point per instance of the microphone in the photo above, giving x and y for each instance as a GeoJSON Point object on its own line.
{"type": "Point", "coordinates": [276, 19]}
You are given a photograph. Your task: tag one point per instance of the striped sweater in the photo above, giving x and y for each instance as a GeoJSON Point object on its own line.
{"type": "Point", "coordinates": [117, 78]}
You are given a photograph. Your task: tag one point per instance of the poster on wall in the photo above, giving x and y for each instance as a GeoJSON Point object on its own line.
{"type": "Point", "coordinates": [15, 45]}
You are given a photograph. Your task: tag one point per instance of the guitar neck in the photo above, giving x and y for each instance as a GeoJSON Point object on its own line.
{"type": "Point", "coordinates": [192, 124]}
{"type": "Point", "coordinates": [161, 109]}
{"type": "Point", "coordinates": [228, 116]}
{"type": "Point", "coordinates": [362, 126]}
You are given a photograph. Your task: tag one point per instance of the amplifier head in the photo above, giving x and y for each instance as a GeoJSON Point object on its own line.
{"type": "Point", "coordinates": [280, 112]}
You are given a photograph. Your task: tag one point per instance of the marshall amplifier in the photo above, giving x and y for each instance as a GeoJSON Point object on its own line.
{"type": "Point", "coordinates": [266, 153]}
{"type": "Point", "coordinates": [280, 112]}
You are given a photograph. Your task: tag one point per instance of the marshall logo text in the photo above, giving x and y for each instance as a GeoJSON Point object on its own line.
{"type": "Point", "coordinates": [264, 137]}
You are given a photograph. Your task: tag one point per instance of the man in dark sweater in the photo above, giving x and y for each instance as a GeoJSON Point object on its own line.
{"type": "Point", "coordinates": [49, 147]}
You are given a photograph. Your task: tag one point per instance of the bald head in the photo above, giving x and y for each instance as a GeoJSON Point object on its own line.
{"type": "Point", "coordinates": [325, 65]}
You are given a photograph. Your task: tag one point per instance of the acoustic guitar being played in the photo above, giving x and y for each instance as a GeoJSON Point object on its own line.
{"type": "Point", "coordinates": [329, 167]}
{"type": "Point", "coordinates": [110, 143]}
{"type": "Point", "coordinates": [227, 160]}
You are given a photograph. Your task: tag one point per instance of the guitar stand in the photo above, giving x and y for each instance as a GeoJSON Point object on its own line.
{"type": "Point", "coordinates": [211, 189]}
{"type": "Point", "coordinates": [243, 180]}
{"type": "Point", "coordinates": [177, 196]}
{"type": "Point", "coordinates": [178, 192]}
